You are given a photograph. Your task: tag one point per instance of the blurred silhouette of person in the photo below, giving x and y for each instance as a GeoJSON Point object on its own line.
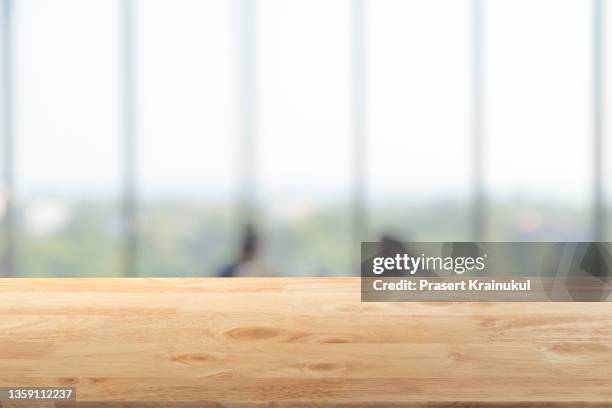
{"type": "Point", "coordinates": [391, 245]}
{"type": "Point", "coordinates": [245, 265]}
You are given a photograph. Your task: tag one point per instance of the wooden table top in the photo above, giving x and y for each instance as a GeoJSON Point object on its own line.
{"type": "Point", "coordinates": [294, 342]}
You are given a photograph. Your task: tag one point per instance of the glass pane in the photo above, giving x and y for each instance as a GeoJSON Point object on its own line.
{"type": "Point", "coordinates": [3, 188]}
{"type": "Point", "coordinates": [607, 112]}
{"type": "Point", "coordinates": [303, 134]}
{"type": "Point", "coordinates": [186, 146]}
{"type": "Point", "coordinates": [67, 137]}
{"type": "Point", "coordinates": [419, 143]}
{"type": "Point", "coordinates": [538, 123]}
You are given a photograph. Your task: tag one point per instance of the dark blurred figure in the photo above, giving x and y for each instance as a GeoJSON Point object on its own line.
{"type": "Point", "coordinates": [245, 264]}
{"type": "Point", "coordinates": [391, 245]}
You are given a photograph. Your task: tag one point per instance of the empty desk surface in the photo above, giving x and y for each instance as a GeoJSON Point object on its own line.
{"type": "Point", "coordinates": [295, 341]}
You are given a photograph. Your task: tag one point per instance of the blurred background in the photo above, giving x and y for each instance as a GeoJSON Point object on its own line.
{"type": "Point", "coordinates": [140, 137]}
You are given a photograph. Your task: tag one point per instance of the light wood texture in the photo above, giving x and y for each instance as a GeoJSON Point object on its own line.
{"type": "Point", "coordinates": [294, 342]}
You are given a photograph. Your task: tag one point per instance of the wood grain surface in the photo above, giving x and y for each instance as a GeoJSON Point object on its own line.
{"type": "Point", "coordinates": [294, 342]}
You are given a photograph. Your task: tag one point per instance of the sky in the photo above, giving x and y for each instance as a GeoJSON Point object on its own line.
{"type": "Point", "coordinates": [537, 95]}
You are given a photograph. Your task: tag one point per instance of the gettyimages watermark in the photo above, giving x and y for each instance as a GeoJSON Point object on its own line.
{"type": "Point", "coordinates": [486, 271]}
